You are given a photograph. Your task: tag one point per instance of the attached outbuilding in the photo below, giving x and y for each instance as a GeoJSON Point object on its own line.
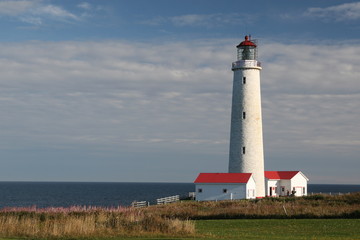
{"type": "Point", "coordinates": [285, 183]}
{"type": "Point", "coordinates": [224, 186]}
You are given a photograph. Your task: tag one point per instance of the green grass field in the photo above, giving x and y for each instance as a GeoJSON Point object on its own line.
{"type": "Point", "coordinates": [275, 229]}
{"type": "Point", "coordinates": [287, 229]}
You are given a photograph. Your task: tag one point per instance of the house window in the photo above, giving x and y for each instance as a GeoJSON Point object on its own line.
{"type": "Point", "coordinates": [243, 150]}
{"type": "Point", "coordinates": [200, 190]}
{"type": "Point", "coordinates": [224, 190]}
{"type": "Point", "coordinates": [303, 191]}
{"type": "Point", "coordinates": [244, 80]}
{"type": "Point", "coordinates": [244, 115]}
{"type": "Point", "coordinates": [283, 189]}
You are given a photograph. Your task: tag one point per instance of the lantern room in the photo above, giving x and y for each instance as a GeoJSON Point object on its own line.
{"type": "Point", "coordinates": [246, 50]}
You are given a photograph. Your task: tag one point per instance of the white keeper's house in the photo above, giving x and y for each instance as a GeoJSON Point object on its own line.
{"type": "Point", "coordinates": [225, 186]}
{"type": "Point", "coordinates": [285, 183]}
{"type": "Point", "coordinates": [231, 186]}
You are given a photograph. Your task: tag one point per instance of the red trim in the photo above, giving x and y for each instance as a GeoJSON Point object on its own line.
{"type": "Point", "coordinates": [223, 178]}
{"type": "Point", "coordinates": [280, 174]}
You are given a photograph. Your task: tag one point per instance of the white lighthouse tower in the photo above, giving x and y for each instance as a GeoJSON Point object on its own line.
{"type": "Point", "coordinates": [246, 139]}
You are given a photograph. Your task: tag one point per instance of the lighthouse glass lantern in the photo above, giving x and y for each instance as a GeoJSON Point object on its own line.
{"type": "Point", "coordinates": [246, 50]}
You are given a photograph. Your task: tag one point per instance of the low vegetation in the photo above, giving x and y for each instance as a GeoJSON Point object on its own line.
{"type": "Point", "coordinates": [316, 206]}
{"type": "Point", "coordinates": [77, 222]}
{"type": "Point", "coordinates": [175, 220]}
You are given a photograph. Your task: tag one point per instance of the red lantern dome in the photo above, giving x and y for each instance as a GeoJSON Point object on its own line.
{"type": "Point", "coordinates": [247, 42]}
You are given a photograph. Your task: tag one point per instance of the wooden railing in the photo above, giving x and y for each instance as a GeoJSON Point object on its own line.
{"type": "Point", "coordinates": [192, 195]}
{"type": "Point", "coordinates": [140, 204]}
{"type": "Point", "coordinates": [166, 200]}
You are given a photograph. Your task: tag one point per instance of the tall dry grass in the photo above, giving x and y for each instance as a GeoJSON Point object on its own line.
{"type": "Point", "coordinates": [78, 222]}
{"type": "Point", "coordinates": [165, 220]}
{"type": "Point", "coordinates": [318, 206]}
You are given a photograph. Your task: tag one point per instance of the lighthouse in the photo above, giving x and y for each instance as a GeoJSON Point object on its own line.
{"type": "Point", "coordinates": [246, 154]}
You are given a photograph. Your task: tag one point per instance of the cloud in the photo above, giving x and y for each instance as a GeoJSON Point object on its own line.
{"type": "Point", "coordinates": [14, 8]}
{"type": "Point", "coordinates": [119, 101]}
{"type": "Point", "coordinates": [85, 6]}
{"type": "Point", "coordinates": [54, 12]}
{"type": "Point", "coordinates": [193, 19]}
{"type": "Point", "coordinates": [204, 20]}
{"type": "Point", "coordinates": [342, 12]}
{"type": "Point", "coordinates": [35, 12]}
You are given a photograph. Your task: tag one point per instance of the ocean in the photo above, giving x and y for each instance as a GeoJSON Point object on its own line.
{"type": "Point", "coordinates": [65, 194]}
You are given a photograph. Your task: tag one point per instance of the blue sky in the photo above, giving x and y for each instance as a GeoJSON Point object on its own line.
{"type": "Point", "coordinates": [139, 91]}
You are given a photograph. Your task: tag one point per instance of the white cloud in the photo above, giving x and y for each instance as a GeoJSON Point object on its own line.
{"type": "Point", "coordinates": [14, 8]}
{"type": "Point", "coordinates": [116, 98]}
{"type": "Point", "coordinates": [343, 12]}
{"type": "Point", "coordinates": [192, 19]}
{"type": "Point", "coordinates": [85, 6]}
{"type": "Point", "coordinates": [32, 20]}
{"type": "Point", "coordinates": [35, 12]}
{"type": "Point", "coordinates": [54, 12]}
{"type": "Point", "coordinates": [204, 20]}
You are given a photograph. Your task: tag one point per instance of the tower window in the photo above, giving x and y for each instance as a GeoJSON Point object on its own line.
{"type": "Point", "coordinates": [243, 150]}
{"type": "Point", "coordinates": [244, 80]}
{"type": "Point", "coordinates": [244, 115]}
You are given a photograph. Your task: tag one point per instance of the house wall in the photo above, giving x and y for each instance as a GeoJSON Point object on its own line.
{"type": "Point", "coordinates": [299, 184]}
{"type": "Point", "coordinates": [251, 189]}
{"type": "Point", "coordinates": [215, 191]}
{"type": "Point", "coordinates": [275, 187]}
{"type": "Point", "coordinates": [286, 184]}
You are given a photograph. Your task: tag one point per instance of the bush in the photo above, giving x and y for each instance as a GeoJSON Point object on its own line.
{"type": "Point", "coordinates": [88, 222]}
{"type": "Point", "coordinates": [316, 206]}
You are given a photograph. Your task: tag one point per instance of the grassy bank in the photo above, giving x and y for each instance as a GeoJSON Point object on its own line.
{"type": "Point", "coordinates": [80, 222]}
{"type": "Point", "coordinates": [250, 219]}
{"type": "Point", "coordinates": [264, 229]}
{"type": "Point", "coordinates": [317, 206]}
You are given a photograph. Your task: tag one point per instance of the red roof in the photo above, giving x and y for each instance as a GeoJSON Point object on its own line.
{"type": "Point", "coordinates": [247, 42]}
{"type": "Point", "coordinates": [280, 174]}
{"type": "Point", "coordinates": [223, 178]}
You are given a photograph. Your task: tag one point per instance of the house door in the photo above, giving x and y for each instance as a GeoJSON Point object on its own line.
{"type": "Point", "coordinates": [270, 191]}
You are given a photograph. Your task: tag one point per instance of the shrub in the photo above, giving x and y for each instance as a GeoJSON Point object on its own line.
{"type": "Point", "coordinates": [78, 222]}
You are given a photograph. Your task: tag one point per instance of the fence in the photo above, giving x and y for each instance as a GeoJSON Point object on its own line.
{"type": "Point", "coordinates": [328, 193]}
{"type": "Point", "coordinates": [192, 195]}
{"type": "Point", "coordinates": [168, 199]}
{"type": "Point", "coordinates": [140, 204]}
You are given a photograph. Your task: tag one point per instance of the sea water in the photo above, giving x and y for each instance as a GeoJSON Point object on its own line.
{"type": "Point", "coordinates": [65, 194]}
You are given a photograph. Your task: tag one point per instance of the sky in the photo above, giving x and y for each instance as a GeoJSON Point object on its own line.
{"type": "Point", "coordinates": [140, 91]}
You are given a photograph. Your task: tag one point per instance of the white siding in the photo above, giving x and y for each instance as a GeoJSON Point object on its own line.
{"type": "Point", "coordinates": [215, 191]}
{"type": "Point", "coordinates": [299, 184]}
{"type": "Point", "coordinates": [275, 188]}
{"type": "Point", "coordinates": [286, 184]}
{"type": "Point", "coordinates": [251, 188]}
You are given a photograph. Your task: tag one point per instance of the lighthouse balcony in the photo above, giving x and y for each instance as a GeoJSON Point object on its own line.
{"type": "Point", "coordinates": [246, 64]}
